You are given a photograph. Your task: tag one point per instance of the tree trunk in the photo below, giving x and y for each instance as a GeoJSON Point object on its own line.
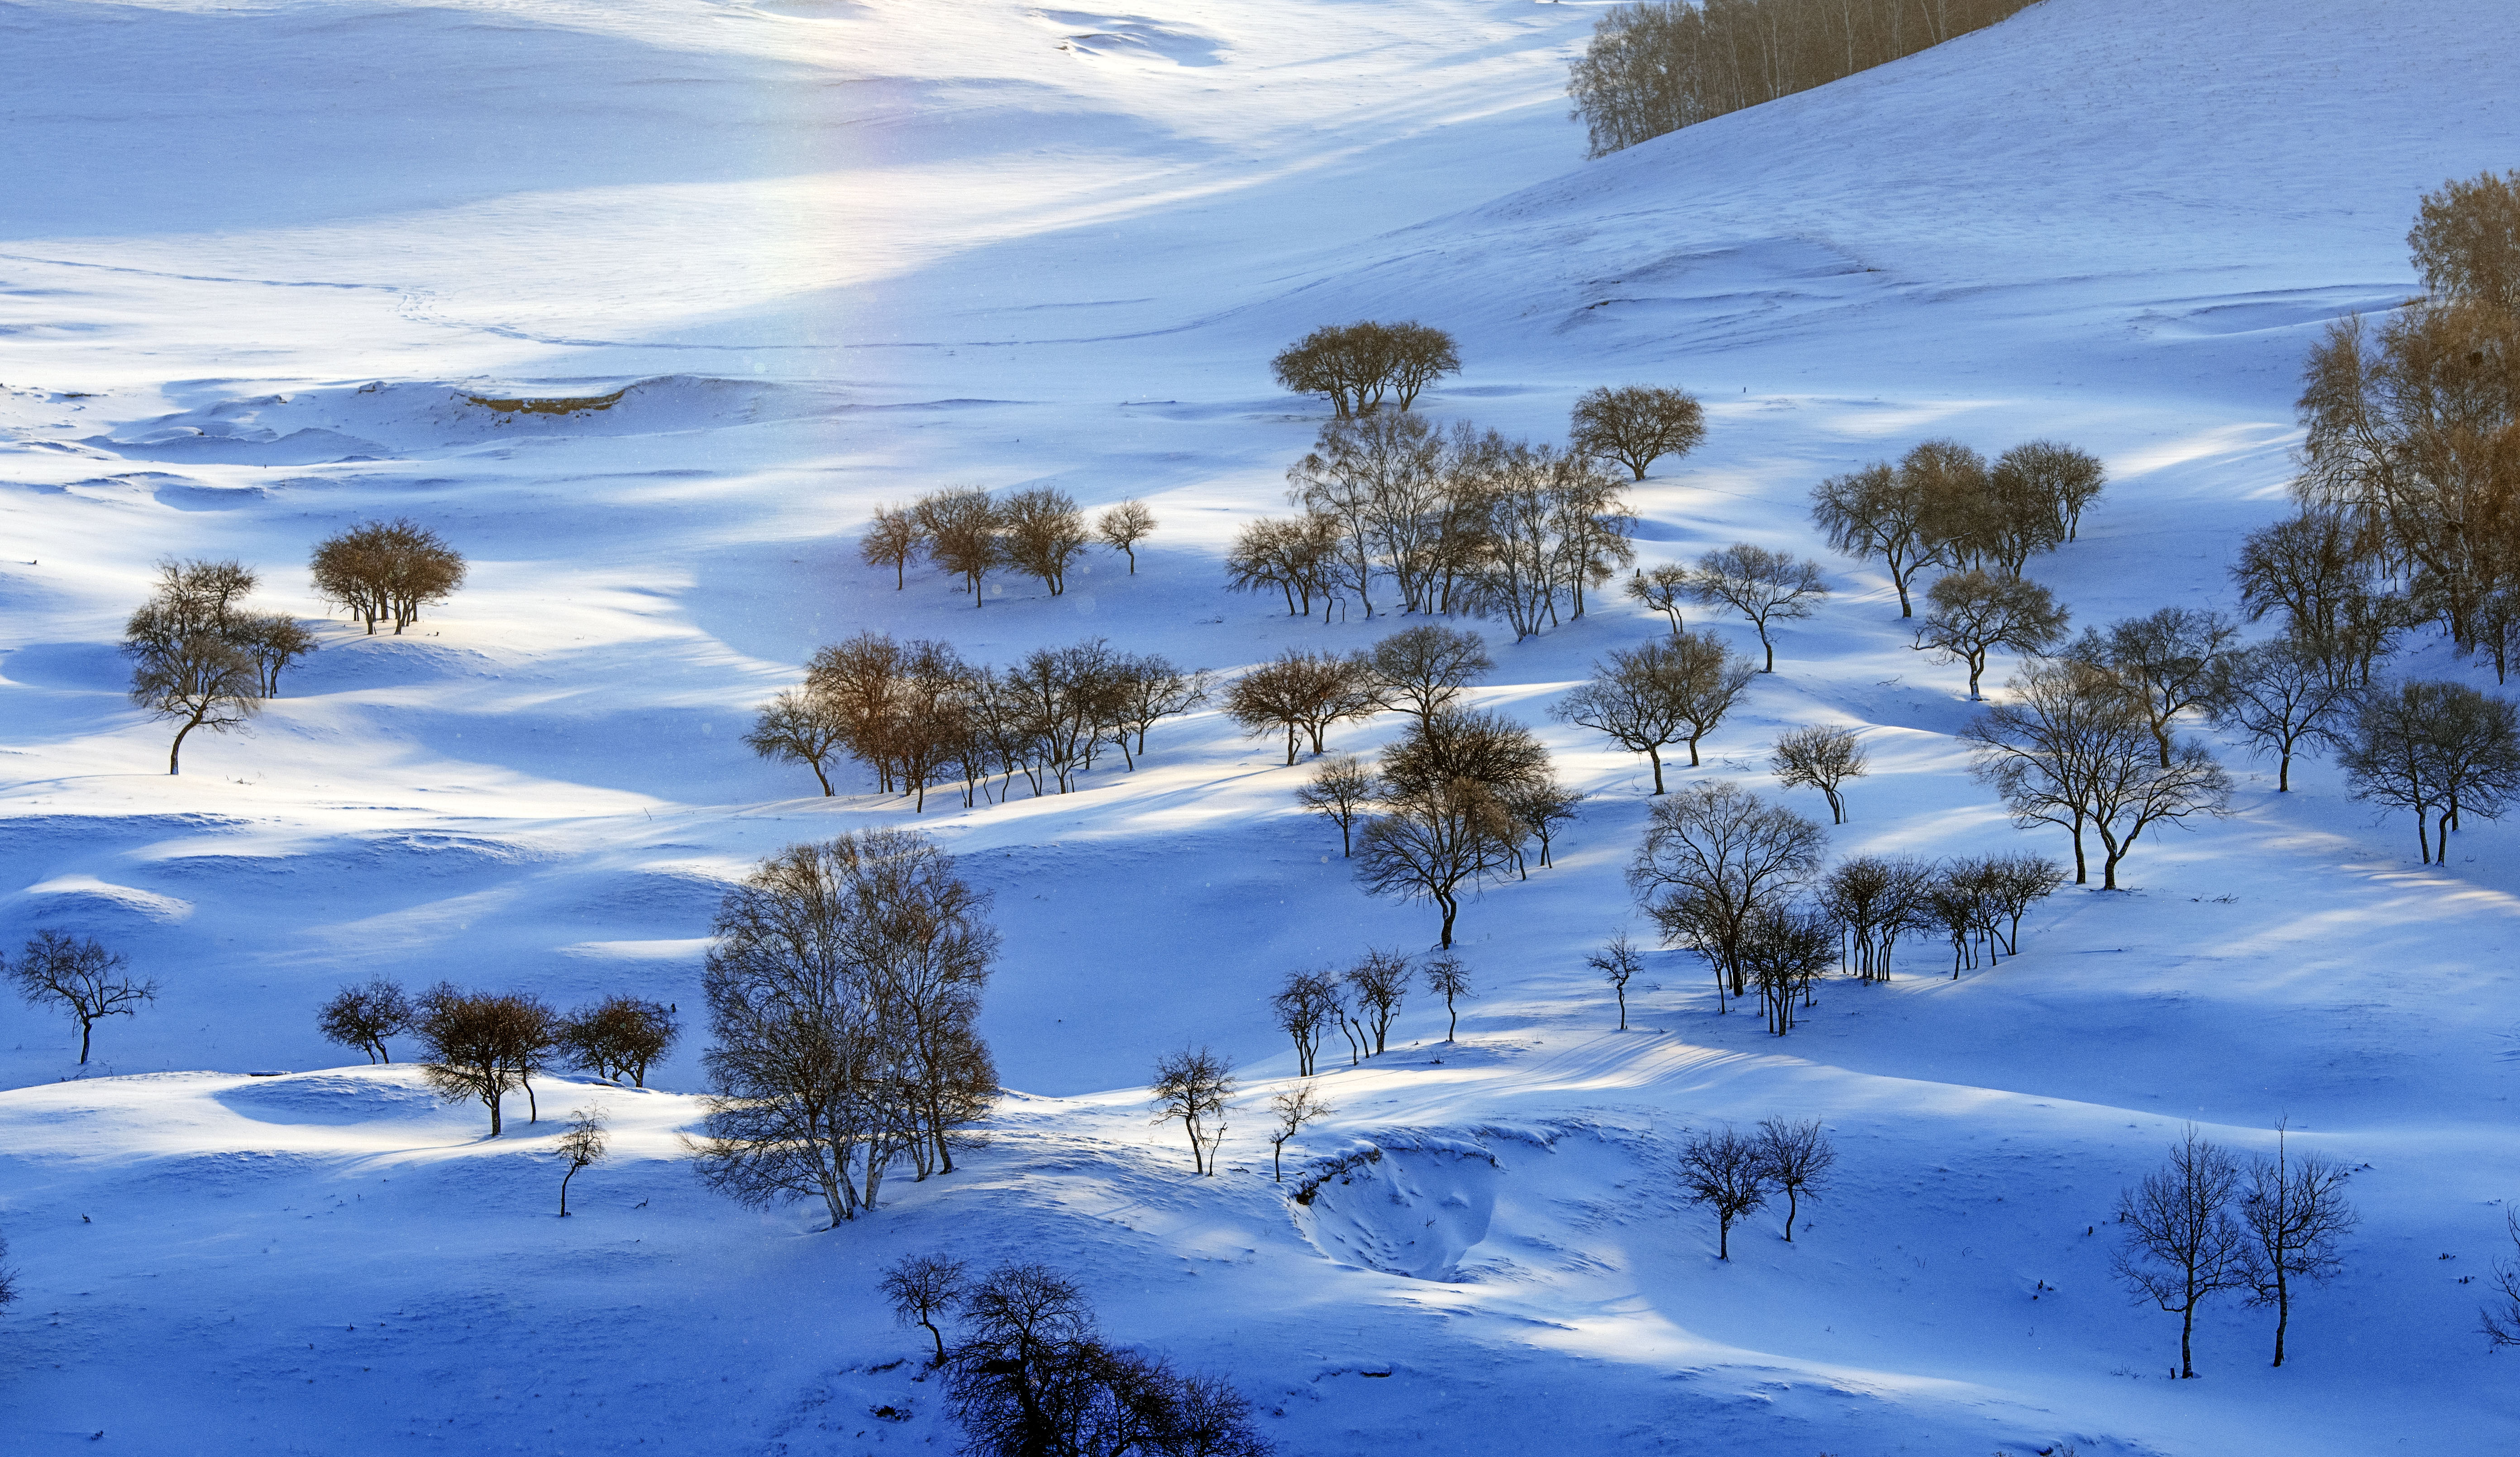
{"type": "Point", "coordinates": [1770, 647]}
{"type": "Point", "coordinates": [2186, 1332]}
{"type": "Point", "coordinates": [1451, 906]}
{"type": "Point", "coordinates": [493, 1100]}
{"type": "Point", "coordinates": [175, 755]}
{"type": "Point", "coordinates": [564, 1189]}
{"type": "Point", "coordinates": [1623, 1007]}
{"type": "Point", "coordinates": [2283, 773]}
{"type": "Point", "coordinates": [86, 1026]}
{"type": "Point", "coordinates": [2284, 1310]}
{"type": "Point", "coordinates": [1724, 1238]}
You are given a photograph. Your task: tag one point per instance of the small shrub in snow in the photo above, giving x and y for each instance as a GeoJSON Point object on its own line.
{"type": "Point", "coordinates": [582, 1143]}
{"type": "Point", "coordinates": [1293, 1109]}
{"type": "Point", "coordinates": [81, 976]}
{"type": "Point", "coordinates": [1379, 982]}
{"type": "Point", "coordinates": [1618, 963]}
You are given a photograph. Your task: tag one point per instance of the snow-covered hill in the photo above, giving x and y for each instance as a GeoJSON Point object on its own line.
{"type": "Point", "coordinates": [254, 262]}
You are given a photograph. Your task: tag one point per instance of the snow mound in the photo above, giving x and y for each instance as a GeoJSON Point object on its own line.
{"type": "Point", "coordinates": [1411, 1212]}
{"type": "Point", "coordinates": [334, 1099]}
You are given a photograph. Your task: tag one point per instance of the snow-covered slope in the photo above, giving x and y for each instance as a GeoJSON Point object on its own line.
{"type": "Point", "coordinates": [254, 262]}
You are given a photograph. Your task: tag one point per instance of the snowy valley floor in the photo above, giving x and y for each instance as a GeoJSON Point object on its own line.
{"type": "Point", "coordinates": [843, 252]}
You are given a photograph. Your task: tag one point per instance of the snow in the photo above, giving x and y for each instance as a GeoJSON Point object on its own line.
{"type": "Point", "coordinates": [257, 262]}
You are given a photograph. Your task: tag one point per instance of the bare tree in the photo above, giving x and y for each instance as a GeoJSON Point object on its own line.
{"type": "Point", "coordinates": [82, 977]}
{"type": "Point", "coordinates": [1714, 855]}
{"type": "Point", "coordinates": [1194, 1086]}
{"type": "Point", "coordinates": [1761, 585]}
{"type": "Point", "coordinates": [842, 990]}
{"type": "Point", "coordinates": [1822, 758]}
{"type": "Point", "coordinates": [1636, 425]}
{"type": "Point", "coordinates": [1032, 1379]}
{"type": "Point", "coordinates": [2282, 699]}
{"type": "Point", "coordinates": [581, 1142]}
{"type": "Point", "coordinates": [799, 727]}
{"type": "Point", "coordinates": [1431, 844]}
{"type": "Point", "coordinates": [2074, 751]}
{"type": "Point", "coordinates": [199, 680]}
{"type": "Point", "coordinates": [2172, 662]}
{"type": "Point", "coordinates": [1448, 977]}
{"type": "Point", "coordinates": [1969, 614]}
{"type": "Point", "coordinates": [1044, 532]}
{"type": "Point", "coordinates": [1380, 980]}
{"type": "Point", "coordinates": [1353, 475]}
{"type": "Point", "coordinates": [1662, 588]}
{"type": "Point", "coordinates": [922, 1287]}
{"type": "Point", "coordinates": [386, 569]}
{"type": "Point", "coordinates": [1874, 901]}
{"type": "Point", "coordinates": [618, 1036]}
{"type": "Point", "coordinates": [1307, 1001]}
{"type": "Point", "coordinates": [273, 642]}
{"type": "Point", "coordinates": [1541, 805]}
{"type": "Point", "coordinates": [1123, 526]}
{"type": "Point", "coordinates": [1341, 789]}
{"type": "Point", "coordinates": [1659, 693]}
{"type": "Point", "coordinates": [1618, 962]}
{"type": "Point", "coordinates": [2013, 884]}
{"type": "Point", "coordinates": [965, 532]}
{"type": "Point", "coordinates": [1728, 1172]}
{"type": "Point", "coordinates": [2182, 1247]}
{"type": "Point", "coordinates": [892, 537]}
{"type": "Point", "coordinates": [1305, 691]}
{"type": "Point", "coordinates": [1799, 1155]}
{"type": "Point", "coordinates": [1420, 355]}
{"type": "Point", "coordinates": [2295, 1211]}
{"type": "Point", "coordinates": [2055, 480]}
{"type": "Point", "coordinates": [363, 1017]}
{"type": "Point", "coordinates": [476, 1044]}
{"type": "Point", "coordinates": [2435, 748]}
{"type": "Point", "coordinates": [2500, 1321]}
{"type": "Point", "coordinates": [1292, 1108]}
{"type": "Point", "coordinates": [1881, 512]}
{"type": "Point", "coordinates": [1782, 949]}
{"type": "Point", "coordinates": [1427, 669]}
